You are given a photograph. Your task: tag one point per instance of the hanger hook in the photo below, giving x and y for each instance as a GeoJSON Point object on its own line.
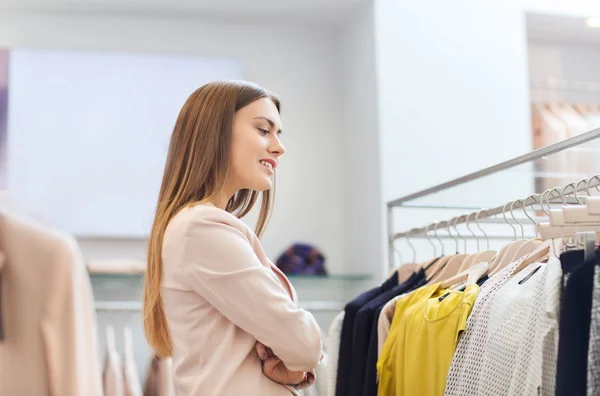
{"type": "Point", "coordinates": [542, 199]}
{"type": "Point", "coordinates": [462, 236]}
{"type": "Point", "coordinates": [532, 196]}
{"type": "Point", "coordinates": [472, 233]}
{"type": "Point", "coordinates": [506, 220]}
{"type": "Point", "coordinates": [512, 214]}
{"type": "Point", "coordinates": [448, 224]}
{"type": "Point", "coordinates": [563, 193]}
{"type": "Point", "coordinates": [487, 240]}
{"type": "Point", "coordinates": [546, 199]}
{"type": "Point", "coordinates": [577, 188]}
{"type": "Point", "coordinates": [587, 184]}
{"type": "Point", "coordinates": [430, 241]}
{"type": "Point", "coordinates": [559, 191]}
{"type": "Point", "coordinates": [411, 245]}
{"type": "Point", "coordinates": [457, 232]}
{"type": "Point", "coordinates": [437, 224]}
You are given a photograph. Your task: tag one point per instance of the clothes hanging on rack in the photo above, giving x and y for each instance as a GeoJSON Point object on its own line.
{"type": "Point", "coordinates": [593, 372]}
{"type": "Point", "coordinates": [50, 342]}
{"type": "Point", "coordinates": [364, 373]}
{"type": "Point", "coordinates": [131, 381]}
{"type": "Point", "coordinates": [335, 331]}
{"type": "Point", "coordinates": [500, 335]}
{"type": "Point", "coordinates": [510, 343]}
{"type": "Point", "coordinates": [417, 353]}
{"type": "Point", "coordinates": [345, 359]}
{"type": "Point", "coordinates": [575, 319]}
{"type": "Point", "coordinates": [112, 374]}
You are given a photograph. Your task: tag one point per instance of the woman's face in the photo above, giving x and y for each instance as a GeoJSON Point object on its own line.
{"type": "Point", "coordinates": [256, 146]}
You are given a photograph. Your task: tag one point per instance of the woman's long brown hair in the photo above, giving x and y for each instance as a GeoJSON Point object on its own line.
{"type": "Point", "coordinates": [195, 170]}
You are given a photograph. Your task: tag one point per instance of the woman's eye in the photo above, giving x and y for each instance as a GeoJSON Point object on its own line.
{"type": "Point", "coordinates": [263, 131]}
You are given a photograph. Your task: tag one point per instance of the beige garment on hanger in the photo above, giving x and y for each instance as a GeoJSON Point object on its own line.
{"type": "Point", "coordinates": [159, 381]}
{"type": "Point", "coordinates": [385, 321]}
{"type": "Point", "coordinates": [50, 343]}
{"type": "Point", "coordinates": [112, 375]}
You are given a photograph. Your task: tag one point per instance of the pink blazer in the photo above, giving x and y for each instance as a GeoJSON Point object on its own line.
{"type": "Point", "coordinates": [222, 294]}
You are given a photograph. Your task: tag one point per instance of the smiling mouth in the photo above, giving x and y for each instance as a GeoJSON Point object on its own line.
{"type": "Point", "coordinates": [267, 164]}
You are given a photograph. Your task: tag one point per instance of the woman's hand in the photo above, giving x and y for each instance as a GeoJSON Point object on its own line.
{"type": "Point", "coordinates": [276, 371]}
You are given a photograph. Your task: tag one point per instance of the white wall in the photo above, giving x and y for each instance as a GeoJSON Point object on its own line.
{"type": "Point", "coordinates": [362, 183]}
{"type": "Point", "coordinates": [294, 62]}
{"type": "Point", "coordinates": [453, 98]}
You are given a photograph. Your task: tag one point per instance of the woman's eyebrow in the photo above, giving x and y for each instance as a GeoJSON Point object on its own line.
{"type": "Point", "coordinates": [271, 123]}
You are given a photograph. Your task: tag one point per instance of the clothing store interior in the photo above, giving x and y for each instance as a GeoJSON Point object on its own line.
{"type": "Point", "coordinates": [437, 207]}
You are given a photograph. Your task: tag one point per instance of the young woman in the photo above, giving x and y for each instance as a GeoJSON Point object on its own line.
{"type": "Point", "coordinates": [212, 299]}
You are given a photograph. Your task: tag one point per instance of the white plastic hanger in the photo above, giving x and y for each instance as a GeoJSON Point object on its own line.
{"type": "Point", "coordinates": [579, 220]}
{"type": "Point", "coordinates": [592, 203]}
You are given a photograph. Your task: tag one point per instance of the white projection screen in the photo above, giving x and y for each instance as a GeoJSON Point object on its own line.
{"type": "Point", "coordinates": [88, 133]}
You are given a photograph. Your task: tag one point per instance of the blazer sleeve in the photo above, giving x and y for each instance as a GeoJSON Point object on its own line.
{"type": "Point", "coordinates": [221, 266]}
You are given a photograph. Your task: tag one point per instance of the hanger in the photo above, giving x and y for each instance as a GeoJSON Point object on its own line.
{"type": "Point", "coordinates": [400, 257]}
{"type": "Point", "coordinates": [428, 264]}
{"type": "Point", "coordinates": [470, 260]}
{"type": "Point", "coordinates": [110, 339]}
{"type": "Point", "coordinates": [551, 231]}
{"type": "Point", "coordinates": [487, 254]}
{"type": "Point", "coordinates": [453, 265]}
{"type": "Point", "coordinates": [593, 202]}
{"type": "Point", "coordinates": [577, 213]}
{"type": "Point", "coordinates": [479, 255]}
{"type": "Point", "coordinates": [512, 248]}
{"type": "Point", "coordinates": [507, 252]}
{"type": "Point", "coordinates": [471, 276]}
{"type": "Point", "coordinates": [128, 342]}
{"type": "Point", "coordinates": [405, 271]}
{"type": "Point", "coordinates": [528, 245]}
{"type": "Point", "coordinates": [435, 269]}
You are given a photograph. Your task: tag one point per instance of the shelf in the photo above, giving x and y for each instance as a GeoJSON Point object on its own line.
{"type": "Point", "coordinates": [108, 277]}
{"type": "Point", "coordinates": [331, 277]}
{"type": "Point", "coordinates": [135, 306]}
{"type": "Point", "coordinates": [109, 287]}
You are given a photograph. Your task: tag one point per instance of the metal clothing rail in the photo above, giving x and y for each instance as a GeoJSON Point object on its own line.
{"type": "Point", "coordinates": [535, 199]}
{"type": "Point", "coordinates": [529, 157]}
{"type": "Point", "coordinates": [526, 158]}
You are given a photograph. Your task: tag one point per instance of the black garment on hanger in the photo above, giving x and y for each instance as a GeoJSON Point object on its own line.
{"type": "Point", "coordinates": [574, 324]}
{"type": "Point", "coordinates": [363, 325]}
{"type": "Point", "coordinates": [366, 368]}
{"type": "Point", "coordinates": [345, 353]}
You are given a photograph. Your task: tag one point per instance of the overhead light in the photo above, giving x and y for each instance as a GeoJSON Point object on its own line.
{"type": "Point", "coordinates": [593, 22]}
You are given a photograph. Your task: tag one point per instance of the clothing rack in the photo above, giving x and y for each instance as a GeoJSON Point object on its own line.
{"type": "Point", "coordinates": [405, 202]}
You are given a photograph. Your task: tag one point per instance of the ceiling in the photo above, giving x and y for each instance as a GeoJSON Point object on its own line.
{"type": "Point", "coordinates": [546, 28]}
{"type": "Point", "coordinates": [253, 11]}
